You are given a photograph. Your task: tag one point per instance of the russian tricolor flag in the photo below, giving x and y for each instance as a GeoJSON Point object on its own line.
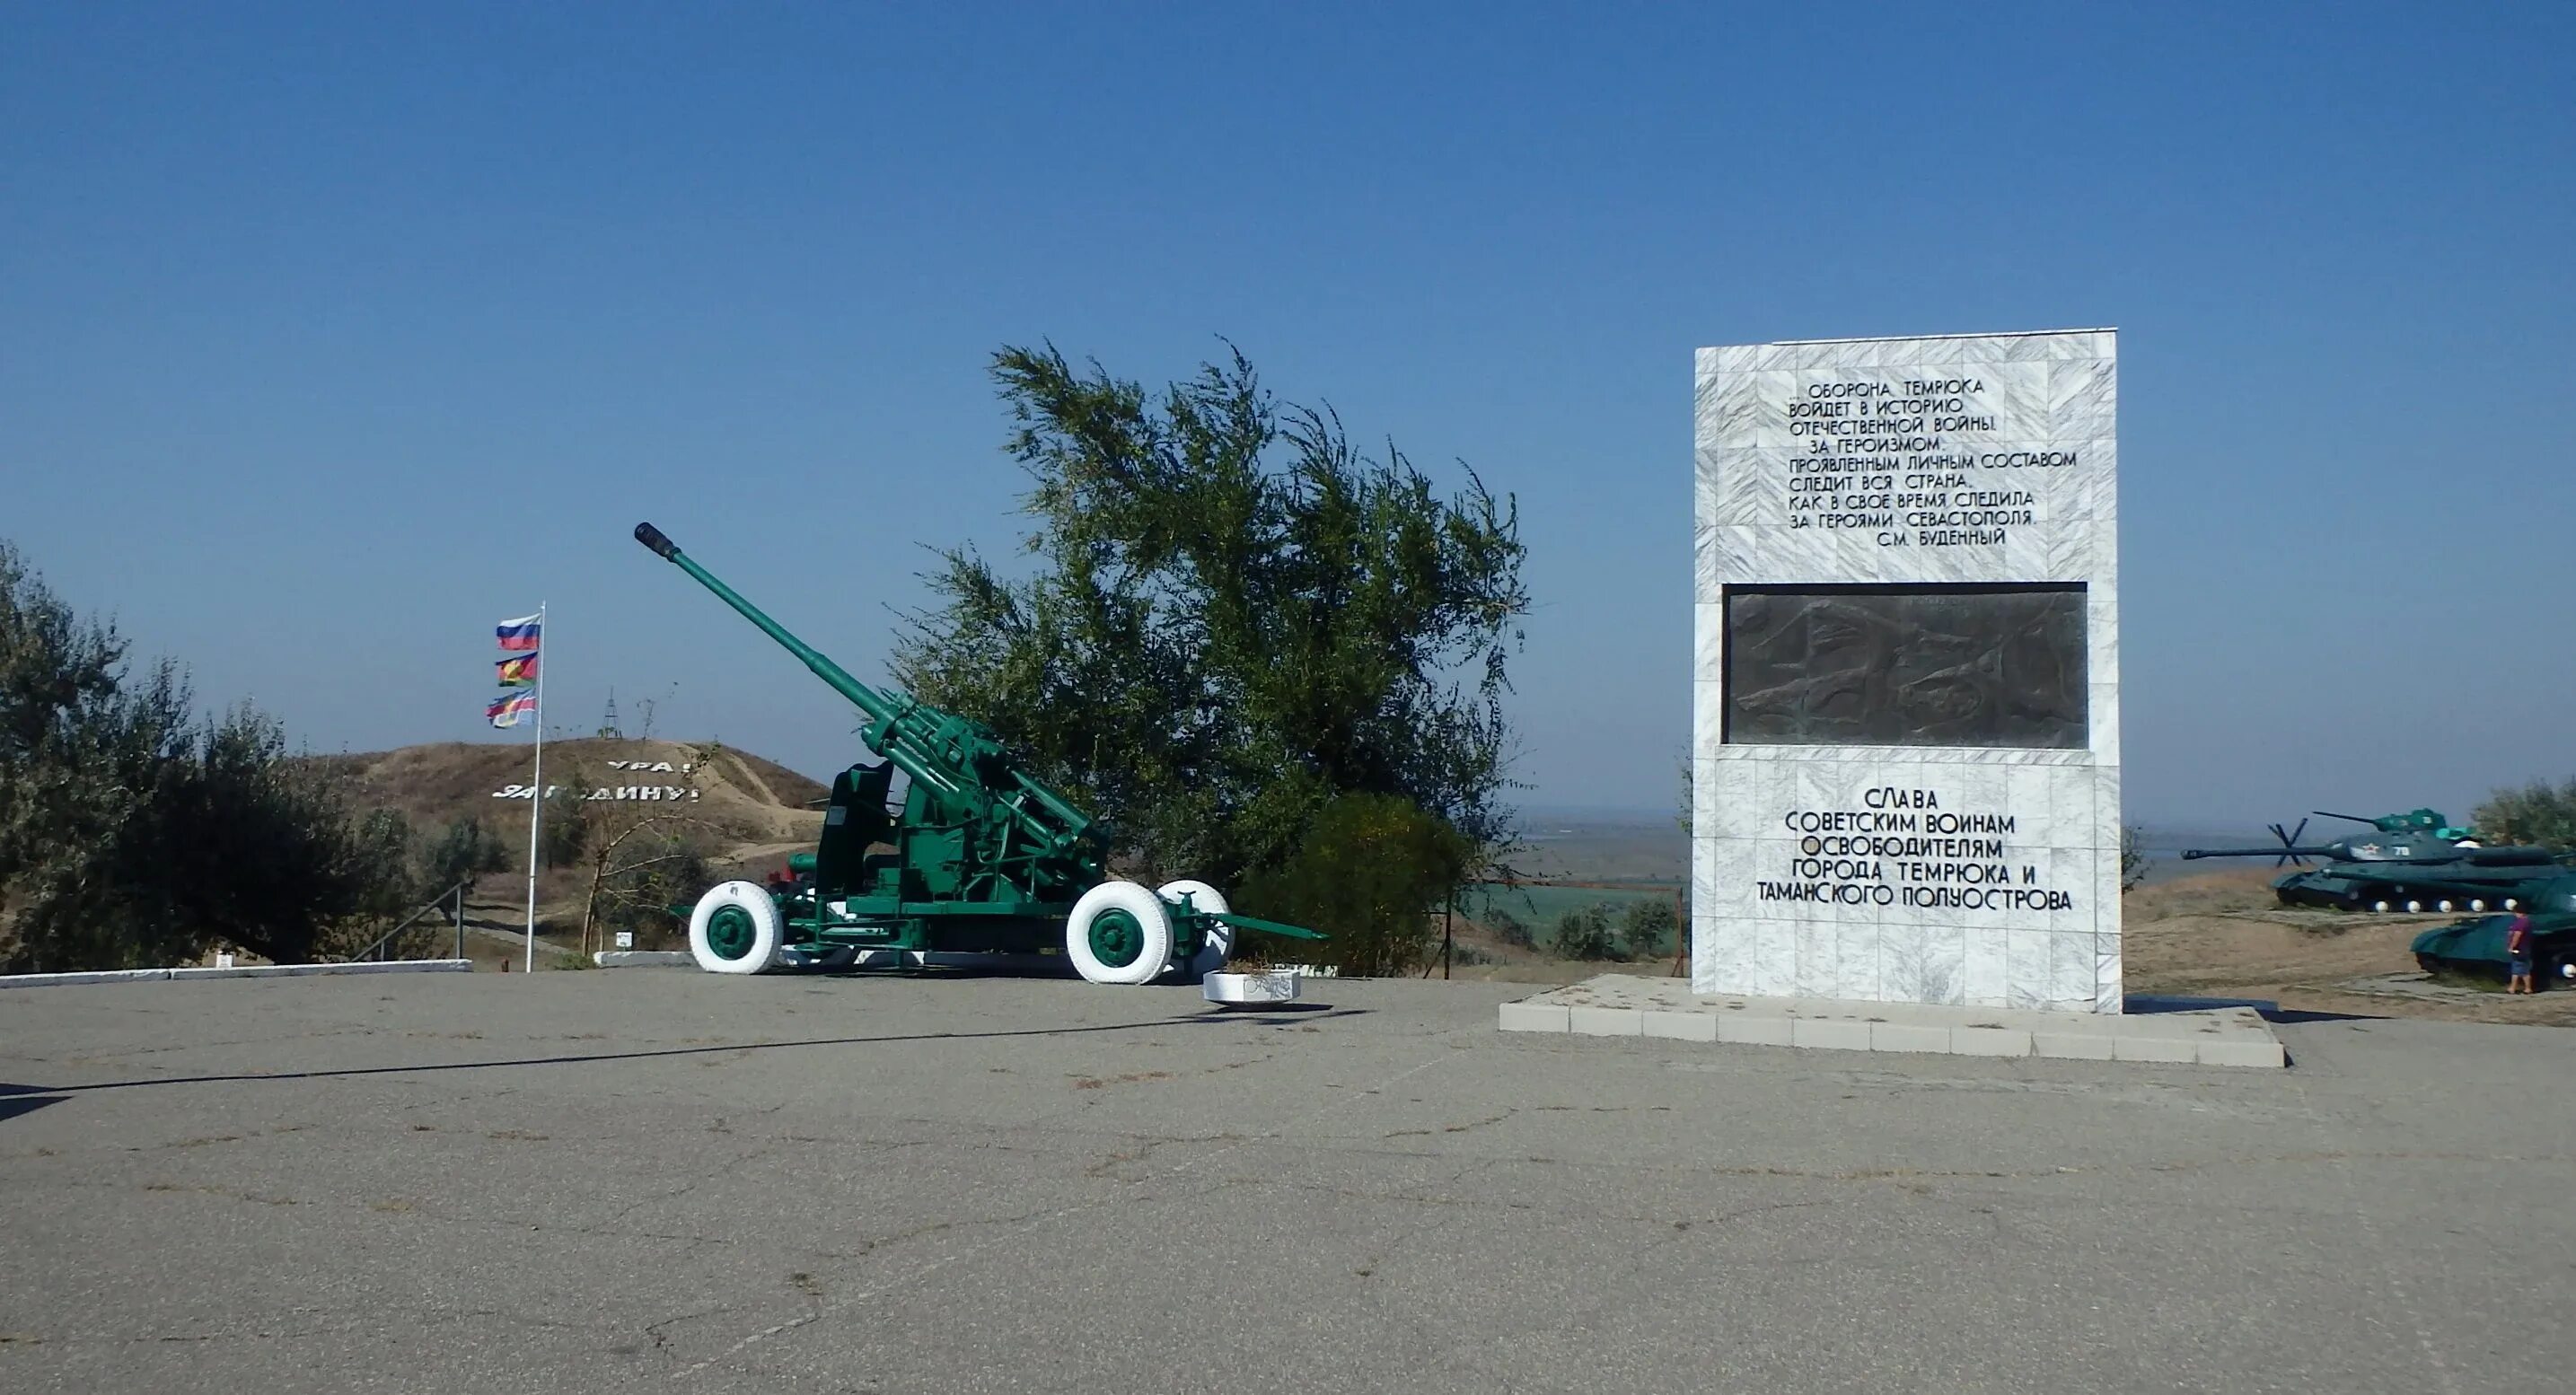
{"type": "Point", "coordinates": [518, 635]}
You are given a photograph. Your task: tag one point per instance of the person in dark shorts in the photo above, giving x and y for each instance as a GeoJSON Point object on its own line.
{"type": "Point", "coordinates": [2517, 954]}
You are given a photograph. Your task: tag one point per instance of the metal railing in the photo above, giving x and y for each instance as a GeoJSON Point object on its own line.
{"type": "Point", "coordinates": [378, 952]}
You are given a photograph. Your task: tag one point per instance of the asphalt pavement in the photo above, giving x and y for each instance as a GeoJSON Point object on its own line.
{"type": "Point", "coordinates": [654, 1179]}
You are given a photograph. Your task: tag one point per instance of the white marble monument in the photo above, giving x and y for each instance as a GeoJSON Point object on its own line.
{"type": "Point", "coordinates": [1906, 746]}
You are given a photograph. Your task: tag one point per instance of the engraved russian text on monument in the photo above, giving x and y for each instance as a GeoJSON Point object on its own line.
{"type": "Point", "coordinates": [1907, 846]}
{"type": "Point", "coordinates": [1915, 462]}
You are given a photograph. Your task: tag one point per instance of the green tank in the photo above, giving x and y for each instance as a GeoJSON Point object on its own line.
{"type": "Point", "coordinates": [2476, 945]}
{"type": "Point", "coordinates": [2413, 862]}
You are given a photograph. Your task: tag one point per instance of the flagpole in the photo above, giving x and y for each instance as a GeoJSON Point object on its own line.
{"type": "Point", "coordinates": [537, 800]}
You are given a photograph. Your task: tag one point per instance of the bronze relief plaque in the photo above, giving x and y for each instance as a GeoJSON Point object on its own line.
{"type": "Point", "coordinates": [1914, 665]}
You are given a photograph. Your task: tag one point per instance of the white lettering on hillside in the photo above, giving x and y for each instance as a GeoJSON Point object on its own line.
{"type": "Point", "coordinates": [675, 793]}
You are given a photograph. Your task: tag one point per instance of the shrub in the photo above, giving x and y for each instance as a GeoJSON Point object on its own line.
{"type": "Point", "coordinates": [466, 847]}
{"type": "Point", "coordinates": [1647, 928]}
{"type": "Point", "coordinates": [1584, 933]}
{"type": "Point", "coordinates": [1371, 872]}
{"type": "Point", "coordinates": [2538, 813]}
{"type": "Point", "coordinates": [635, 882]}
{"type": "Point", "coordinates": [134, 831]}
{"type": "Point", "coordinates": [566, 833]}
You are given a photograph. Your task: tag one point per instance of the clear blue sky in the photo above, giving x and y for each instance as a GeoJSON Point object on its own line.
{"type": "Point", "coordinates": [335, 333]}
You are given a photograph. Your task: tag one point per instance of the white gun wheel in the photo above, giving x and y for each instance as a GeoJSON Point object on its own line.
{"type": "Point", "coordinates": [1119, 932]}
{"type": "Point", "coordinates": [1220, 936]}
{"type": "Point", "coordinates": [735, 929]}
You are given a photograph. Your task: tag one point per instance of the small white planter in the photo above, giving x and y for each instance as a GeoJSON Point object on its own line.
{"type": "Point", "coordinates": [1238, 990]}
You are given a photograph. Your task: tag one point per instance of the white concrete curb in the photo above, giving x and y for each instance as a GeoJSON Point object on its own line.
{"type": "Point", "coordinates": [640, 958]}
{"type": "Point", "coordinates": [391, 966]}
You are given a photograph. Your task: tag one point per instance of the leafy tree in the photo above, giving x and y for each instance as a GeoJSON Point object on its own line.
{"type": "Point", "coordinates": [570, 818]}
{"type": "Point", "coordinates": [466, 848]}
{"type": "Point", "coordinates": [1647, 926]}
{"type": "Point", "coordinates": [641, 858]}
{"type": "Point", "coordinates": [381, 853]}
{"type": "Point", "coordinates": [676, 870]}
{"type": "Point", "coordinates": [1372, 874]}
{"type": "Point", "coordinates": [1585, 933]}
{"type": "Point", "coordinates": [2539, 813]}
{"type": "Point", "coordinates": [133, 832]}
{"type": "Point", "coordinates": [1235, 618]}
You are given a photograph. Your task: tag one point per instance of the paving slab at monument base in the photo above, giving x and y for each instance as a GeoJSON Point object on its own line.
{"type": "Point", "coordinates": [1628, 1005]}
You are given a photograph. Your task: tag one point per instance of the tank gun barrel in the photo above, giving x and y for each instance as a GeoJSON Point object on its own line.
{"type": "Point", "coordinates": [867, 699]}
{"type": "Point", "coordinates": [2276, 850]}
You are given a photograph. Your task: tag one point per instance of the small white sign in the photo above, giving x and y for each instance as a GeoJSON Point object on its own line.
{"type": "Point", "coordinates": [625, 939]}
{"type": "Point", "coordinates": [223, 959]}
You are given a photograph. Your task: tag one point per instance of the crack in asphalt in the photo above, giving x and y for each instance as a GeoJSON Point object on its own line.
{"type": "Point", "coordinates": [1468, 1127]}
{"type": "Point", "coordinates": [711, 1174]}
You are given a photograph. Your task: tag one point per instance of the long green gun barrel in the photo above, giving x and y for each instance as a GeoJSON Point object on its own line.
{"type": "Point", "coordinates": [868, 699]}
{"type": "Point", "coordinates": [2346, 850]}
{"type": "Point", "coordinates": [1039, 839]}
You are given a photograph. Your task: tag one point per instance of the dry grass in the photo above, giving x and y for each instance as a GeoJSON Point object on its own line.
{"type": "Point", "coordinates": [751, 800]}
{"type": "Point", "coordinates": [2222, 934]}
{"type": "Point", "coordinates": [756, 810]}
{"type": "Point", "coordinates": [1509, 963]}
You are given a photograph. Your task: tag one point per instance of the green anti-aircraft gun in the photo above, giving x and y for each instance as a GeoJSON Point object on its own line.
{"type": "Point", "coordinates": [2414, 862]}
{"type": "Point", "coordinates": [984, 858]}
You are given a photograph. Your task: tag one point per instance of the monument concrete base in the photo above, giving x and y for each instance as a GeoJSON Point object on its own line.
{"type": "Point", "coordinates": [1628, 1005]}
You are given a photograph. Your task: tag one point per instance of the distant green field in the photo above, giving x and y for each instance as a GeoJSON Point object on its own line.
{"type": "Point", "coordinates": [1540, 906]}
